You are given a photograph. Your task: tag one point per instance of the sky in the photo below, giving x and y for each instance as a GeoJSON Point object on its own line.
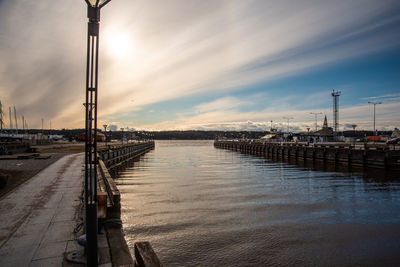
{"type": "Point", "coordinates": [204, 65]}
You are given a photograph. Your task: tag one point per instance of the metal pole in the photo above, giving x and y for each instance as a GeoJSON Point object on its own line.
{"type": "Point", "coordinates": [16, 122]}
{"type": "Point", "coordinates": [91, 134]}
{"type": "Point", "coordinates": [105, 133]}
{"type": "Point", "coordinates": [374, 119]}
{"type": "Point", "coordinates": [1, 116]}
{"type": "Point", "coordinates": [374, 103]}
{"type": "Point", "coordinates": [316, 115]}
{"type": "Point", "coordinates": [288, 125]}
{"type": "Point", "coordinates": [288, 118]}
{"type": "Point", "coordinates": [335, 95]}
{"type": "Point", "coordinates": [91, 159]}
{"type": "Point", "coordinates": [9, 112]}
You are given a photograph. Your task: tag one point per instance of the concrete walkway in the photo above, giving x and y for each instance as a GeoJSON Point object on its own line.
{"type": "Point", "coordinates": [37, 219]}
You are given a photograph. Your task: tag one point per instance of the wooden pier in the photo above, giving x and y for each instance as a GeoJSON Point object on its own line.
{"type": "Point", "coordinates": [113, 156]}
{"type": "Point", "coordinates": [109, 158]}
{"type": "Point", "coordinates": [341, 154]}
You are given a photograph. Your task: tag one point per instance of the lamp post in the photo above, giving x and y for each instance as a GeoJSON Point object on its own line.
{"type": "Point", "coordinates": [354, 133]}
{"type": "Point", "coordinates": [316, 115]}
{"type": "Point", "coordinates": [91, 160]}
{"type": "Point", "coordinates": [374, 103]}
{"type": "Point", "coordinates": [105, 133]}
{"type": "Point", "coordinates": [288, 119]}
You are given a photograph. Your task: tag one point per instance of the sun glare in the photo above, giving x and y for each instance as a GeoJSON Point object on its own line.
{"type": "Point", "coordinates": [119, 45]}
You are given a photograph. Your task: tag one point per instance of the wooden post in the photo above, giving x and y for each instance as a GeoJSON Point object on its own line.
{"type": "Point", "coordinates": [145, 255]}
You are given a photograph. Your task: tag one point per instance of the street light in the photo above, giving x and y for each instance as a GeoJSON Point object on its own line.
{"type": "Point", "coordinates": [91, 160]}
{"type": "Point", "coordinates": [105, 133]}
{"type": "Point", "coordinates": [374, 103]}
{"type": "Point", "coordinates": [316, 115]}
{"type": "Point", "coordinates": [288, 118]}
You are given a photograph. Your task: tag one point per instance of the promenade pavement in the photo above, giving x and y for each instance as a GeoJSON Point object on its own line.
{"type": "Point", "coordinates": [38, 218]}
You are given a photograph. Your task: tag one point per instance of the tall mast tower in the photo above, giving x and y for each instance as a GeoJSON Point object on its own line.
{"type": "Point", "coordinates": [335, 95]}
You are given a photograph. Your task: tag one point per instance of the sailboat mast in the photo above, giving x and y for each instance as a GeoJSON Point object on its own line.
{"type": "Point", "coordinates": [16, 122]}
{"type": "Point", "coordinates": [9, 112]}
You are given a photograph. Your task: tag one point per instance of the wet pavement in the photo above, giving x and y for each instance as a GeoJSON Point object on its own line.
{"type": "Point", "coordinates": [38, 218]}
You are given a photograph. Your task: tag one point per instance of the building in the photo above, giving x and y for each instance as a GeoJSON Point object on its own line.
{"type": "Point", "coordinates": [100, 137]}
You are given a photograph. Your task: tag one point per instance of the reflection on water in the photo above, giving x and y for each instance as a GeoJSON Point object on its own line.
{"type": "Point", "coordinates": [202, 206]}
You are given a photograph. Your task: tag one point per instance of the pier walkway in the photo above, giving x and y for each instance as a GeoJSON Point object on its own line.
{"type": "Point", "coordinates": [38, 218]}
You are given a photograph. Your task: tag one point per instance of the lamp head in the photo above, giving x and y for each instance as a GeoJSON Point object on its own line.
{"type": "Point", "coordinates": [97, 3]}
{"type": "Point", "coordinates": [94, 9]}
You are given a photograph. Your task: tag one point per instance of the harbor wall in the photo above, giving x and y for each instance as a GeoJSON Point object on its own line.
{"type": "Point", "coordinates": [342, 154]}
{"type": "Point", "coordinates": [110, 158]}
{"type": "Point", "coordinates": [116, 155]}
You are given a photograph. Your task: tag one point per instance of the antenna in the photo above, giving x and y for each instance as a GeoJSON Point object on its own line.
{"type": "Point", "coordinates": [335, 95]}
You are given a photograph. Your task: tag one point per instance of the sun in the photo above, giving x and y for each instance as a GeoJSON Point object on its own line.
{"type": "Point", "coordinates": [119, 44]}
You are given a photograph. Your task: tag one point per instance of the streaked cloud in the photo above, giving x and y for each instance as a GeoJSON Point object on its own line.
{"type": "Point", "coordinates": [384, 98]}
{"type": "Point", "coordinates": [231, 119]}
{"type": "Point", "coordinates": [157, 52]}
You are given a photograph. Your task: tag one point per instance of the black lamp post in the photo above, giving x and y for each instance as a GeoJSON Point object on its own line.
{"type": "Point", "coordinates": [91, 159]}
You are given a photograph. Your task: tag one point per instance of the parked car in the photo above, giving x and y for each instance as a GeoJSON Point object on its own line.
{"type": "Point", "coordinates": [393, 141]}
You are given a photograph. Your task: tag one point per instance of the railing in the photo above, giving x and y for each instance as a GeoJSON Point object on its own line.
{"type": "Point", "coordinates": [113, 156]}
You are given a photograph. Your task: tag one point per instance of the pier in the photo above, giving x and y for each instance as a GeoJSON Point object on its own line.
{"type": "Point", "coordinates": [42, 218]}
{"type": "Point", "coordinates": [381, 157]}
{"type": "Point", "coordinates": [110, 158]}
{"type": "Point", "coordinates": [39, 217]}
{"type": "Point", "coordinates": [113, 156]}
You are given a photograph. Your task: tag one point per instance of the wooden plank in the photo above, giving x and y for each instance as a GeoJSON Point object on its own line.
{"type": "Point", "coordinates": [119, 250]}
{"type": "Point", "coordinates": [145, 255]}
{"type": "Point", "coordinates": [109, 184]}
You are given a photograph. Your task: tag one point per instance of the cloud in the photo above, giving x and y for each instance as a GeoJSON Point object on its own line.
{"type": "Point", "coordinates": [225, 103]}
{"type": "Point", "coordinates": [177, 49]}
{"type": "Point", "coordinates": [41, 69]}
{"type": "Point", "coordinates": [230, 119]}
{"type": "Point", "coordinates": [388, 98]}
